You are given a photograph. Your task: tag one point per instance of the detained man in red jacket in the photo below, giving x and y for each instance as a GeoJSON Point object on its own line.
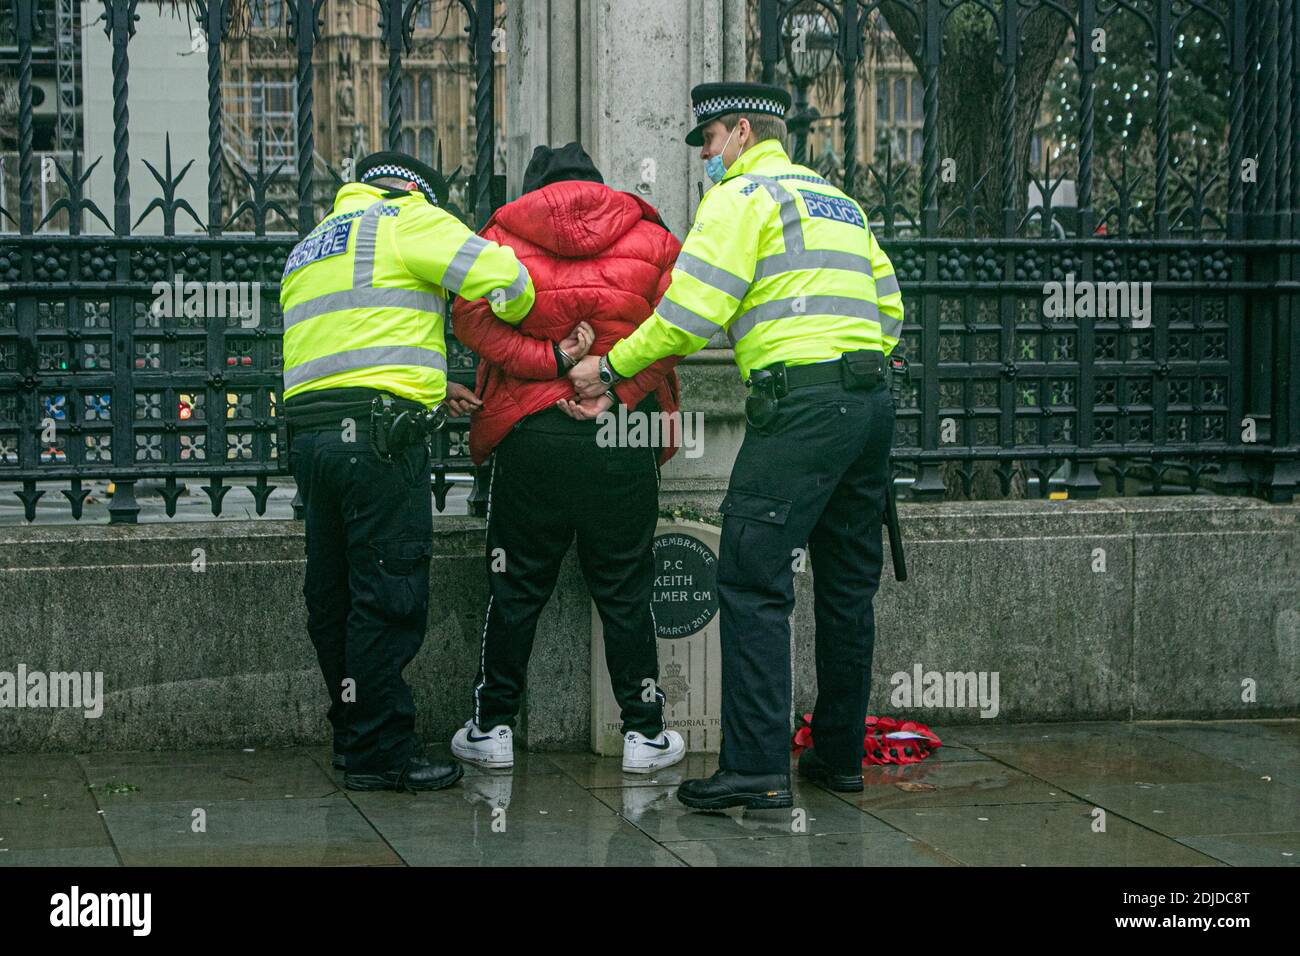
{"type": "Point", "coordinates": [599, 260]}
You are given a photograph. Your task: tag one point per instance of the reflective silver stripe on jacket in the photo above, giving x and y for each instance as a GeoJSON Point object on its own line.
{"type": "Point", "coordinates": [712, 276]}
{"type": "Point", "coordinates": [363, 263]}
{"type": "Point", "coordinates": [797, 307]}
{"type": "Point", "coordinates": [516, 288]}
{"type": "Point", "coordinates": [811, 259]}
{"type": "Point", "coordinates": [355, 359]}
{"type": "Point", "coordinates": [462, 262]}
{"type": "Point", "coordinates": [373, 298]}
{"type": "Point", "coordinates": [887, 285]}
{"type": "Point", "coordinates": [791, 223]}
{"type": "Point", "coordinates": [685, 319]}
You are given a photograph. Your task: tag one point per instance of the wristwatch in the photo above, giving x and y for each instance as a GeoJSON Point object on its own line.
{"type": "Point", "coordinates": [607, 375]}
{"type": "Point", "coordinates": [613, 397]}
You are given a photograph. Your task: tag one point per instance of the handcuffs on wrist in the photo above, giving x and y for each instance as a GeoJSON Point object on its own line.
{"type": "Point", "coordinates": [567, 360]}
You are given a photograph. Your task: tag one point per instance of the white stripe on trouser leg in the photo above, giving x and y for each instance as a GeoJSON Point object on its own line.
{"type": "Point", "coordinates": [654, 645]}
{"type": "Point", "coordinates": [654, 625]}
{"type": "Point", "coordinates": [482, 662]}
{"type": "Point", "coordinates": [482, 652]}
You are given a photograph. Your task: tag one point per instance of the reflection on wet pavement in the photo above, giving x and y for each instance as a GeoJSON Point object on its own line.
{"type": "Point", "coordinates": [1105, 794]}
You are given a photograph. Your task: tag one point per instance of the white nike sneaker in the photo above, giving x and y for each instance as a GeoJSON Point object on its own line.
{"type": "Point", "coordinates": [494, 749]}
{"type": "Point", "coordinates": [647, 754]}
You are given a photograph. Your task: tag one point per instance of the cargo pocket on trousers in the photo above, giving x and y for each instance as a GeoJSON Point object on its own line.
{"type": "Point", "coordinates": [754, 550]}
{"type": "Point", "coordinates": [403, 567]}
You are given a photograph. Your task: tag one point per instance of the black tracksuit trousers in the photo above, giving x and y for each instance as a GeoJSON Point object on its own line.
{"type": "Point", "coordinates": [549, 482]}
{"type": "Point", "coordinates": [815, 477]}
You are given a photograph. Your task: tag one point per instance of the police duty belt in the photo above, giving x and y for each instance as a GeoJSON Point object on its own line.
{"type": "Point", "coordinates": [391, 431]}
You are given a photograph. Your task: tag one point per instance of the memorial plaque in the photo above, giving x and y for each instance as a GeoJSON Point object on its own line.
{"type": "Point", "coordinates": [685, 596]}
{"type": "Point", "coordinates": [684, 601]}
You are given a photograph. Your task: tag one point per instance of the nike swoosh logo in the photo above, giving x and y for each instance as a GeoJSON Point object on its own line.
{"type": "Point", "coordinates": [476, 740]}
{"type": "Point", "coordinates": [663, 746]}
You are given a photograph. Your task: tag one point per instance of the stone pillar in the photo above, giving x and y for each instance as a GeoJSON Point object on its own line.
{"type": "Point", "coordinates": [616, 76]}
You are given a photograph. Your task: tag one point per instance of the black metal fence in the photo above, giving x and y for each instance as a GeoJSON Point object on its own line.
{"type": "Point", "coordinates": [1206, 393]}
{"type": "Point", "coordinates": [95, 382]}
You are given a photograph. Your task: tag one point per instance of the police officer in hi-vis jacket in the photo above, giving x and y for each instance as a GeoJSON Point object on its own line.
{"type": "Point", "coordinates": [785, 264]}
{"type": "Point", "coordinates": [365, 381]}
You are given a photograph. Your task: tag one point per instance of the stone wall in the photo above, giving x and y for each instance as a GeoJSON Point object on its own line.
{"type": "Point", "coordinates": [1197, 595]}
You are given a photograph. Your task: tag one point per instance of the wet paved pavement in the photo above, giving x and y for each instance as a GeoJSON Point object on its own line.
{"type": "Point", "coordinates": [1154, 794]}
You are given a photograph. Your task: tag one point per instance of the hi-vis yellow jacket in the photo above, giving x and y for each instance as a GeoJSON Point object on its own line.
{"type": "Point", "coordinates": [784, 262]}
{"type": "Point", "coordinates": [363, 294]}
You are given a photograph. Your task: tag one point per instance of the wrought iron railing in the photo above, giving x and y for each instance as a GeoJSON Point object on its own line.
{"type": "Point", "coordinates": [96, 381]}
{"type": "Point", "coordinates": [1207, 389]}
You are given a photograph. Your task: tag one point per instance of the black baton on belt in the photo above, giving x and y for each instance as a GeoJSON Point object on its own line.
{"type": "Point", "coordinates": [900, 377]}
{"type": "Point", "coordinates": [895, 534]}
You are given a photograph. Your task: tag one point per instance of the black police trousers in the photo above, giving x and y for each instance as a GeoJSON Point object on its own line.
{"type": "Point", "coordinates": [809, 485]}
{"type": "Point", "coordinates": [369, 540]}
{"type": "Point", "coordinates": [550, 481]}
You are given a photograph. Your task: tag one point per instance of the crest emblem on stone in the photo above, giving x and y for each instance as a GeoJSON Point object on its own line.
{"type": "Point", "coordinates": [673, 683]}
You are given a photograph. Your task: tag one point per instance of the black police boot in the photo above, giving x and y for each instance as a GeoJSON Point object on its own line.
{"type": "Point", "coordinates": [418, 773]}
{"type": "Point", "coordinates": [339, 759]}
{"type": "Point", "coordinates": [730, 788]}
{"type": "Point", "coordinates": [812, 767]}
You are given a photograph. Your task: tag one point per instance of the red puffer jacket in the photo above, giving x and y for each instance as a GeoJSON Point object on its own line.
{"type": "Point", "coordinates": [594, 254]}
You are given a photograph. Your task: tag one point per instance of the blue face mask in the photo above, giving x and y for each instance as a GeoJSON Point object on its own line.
{"type": "Point", "coordinates": [714, 168]}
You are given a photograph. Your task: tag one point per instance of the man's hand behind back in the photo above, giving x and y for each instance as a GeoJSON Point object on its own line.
{"type": "Point", "coordinates": [461, 400]}
{"type": "Point", "coordinates": [586, 409]}
{"type": "Point", "coordinates": [578, 342]}
{"type": "Point", "coordinates": [585, 377]}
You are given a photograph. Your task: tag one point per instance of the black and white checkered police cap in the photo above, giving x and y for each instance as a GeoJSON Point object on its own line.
{"type": "Point", "coordinates": [400, 166]}
{"type": "Point", "coordinates": [711, 101]}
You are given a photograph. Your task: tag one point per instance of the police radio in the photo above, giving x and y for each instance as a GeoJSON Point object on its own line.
{"type": "Point", "coordinates": [900, 377]}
